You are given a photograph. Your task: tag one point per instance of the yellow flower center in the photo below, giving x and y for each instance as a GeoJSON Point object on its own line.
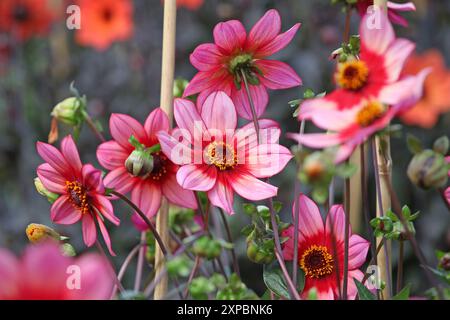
{"type": "Point", "coordinates": [316, 262]}
{"type": "Point", "coordinates": [78, 196]}
{"type": "Point", "coordinates": [221, 155]}
{"type": "Point", "coordinates": [352, 74]}
{"type": "Point", "coordinates": [371, 111]}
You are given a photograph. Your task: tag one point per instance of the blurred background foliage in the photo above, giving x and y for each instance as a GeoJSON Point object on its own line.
{"type": "Point", "coordinates": [35, 74]}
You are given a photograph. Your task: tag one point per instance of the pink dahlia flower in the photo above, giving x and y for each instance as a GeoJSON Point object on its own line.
{"type": "Point", "coordinates": [373, 76]}
{"type": "Point", "coordinates": [147, 186]}
{"type": "Point", "coordinates": [233, 53]}
{"type": "Point", "coordinates": [81, 190]}
{"type": "Point", "coordinates": [316, 254]}
{"type": "Point", "coordinates": [447, 191]}
{"type": "Point", "coordinates": [217, 158]}
{"type": "Point", "coordinates": [394, 10]}
{"type": "Point", "coordinates": [43, 273]}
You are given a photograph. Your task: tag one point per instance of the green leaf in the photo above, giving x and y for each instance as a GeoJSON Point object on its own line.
{"type": "Point", "coordinates": [403, 294]}
{"type": "Point", "coordinates": [274, 280]}
{"type": "Point", "coordinates": [414, 144]}
{"type": "Point", "coordinates": [277, 206]}
{"type": "Point", "coordinates": [247, 229]}
{"type": "Point", "coordinates": [249, 208]}
{"type": "Point", "coordinates": [320, 194]}
{"type": "Point", "coordinates": [441, 145]}
{"type": "Point", "coordinates": [363, 292]}
{"type": "Point", "coordinates": [309, 94]}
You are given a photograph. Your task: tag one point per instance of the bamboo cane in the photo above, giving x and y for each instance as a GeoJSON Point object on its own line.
{"type": "Point", "coordinates": [383, 155]}
{"type": "Point", "coordinates": [167, 76]}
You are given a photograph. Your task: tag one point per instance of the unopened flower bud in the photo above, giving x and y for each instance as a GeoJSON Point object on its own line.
{"type": "Point", "coordinates": [317, 168]}
{"type": "Point", "coordinates": [444, 263]}
{"type": "Point", "coordinates": [441, 145]}
{"type": "Point", "coordinates": [51, 197]}
{"type": "Point", "coordinates": [139, 163]}
{"type": "Point", "coordinates": [179, 86]}
{"type": "Point", "coordinates": [68, 111]}
{"type": "Point", "coordinates": [207, 248]}
{"type": "Point", "coordinates": [428, 169]}
{"type": "Point", "coordinates": [38, 232]}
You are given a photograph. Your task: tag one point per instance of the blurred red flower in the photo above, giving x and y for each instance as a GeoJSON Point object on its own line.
{"type": "Point", "coordinates": [436, 97]}
{"type": "Point", "coordinates": [25, 18]}
{"type": "Point", "coordinates": [190, 4]}
{"type": "Point", "coordinates": [104, 21]}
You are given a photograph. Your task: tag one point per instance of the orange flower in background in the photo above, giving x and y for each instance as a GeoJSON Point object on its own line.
{"type": "Point", "coordinates": [190, 4]}
{"type": "Point", "coordinates": [436, 97]}
{"type": "Point", "coordinates": [25, 18]}
{"type": "Point", "coordinates": [104, 21]}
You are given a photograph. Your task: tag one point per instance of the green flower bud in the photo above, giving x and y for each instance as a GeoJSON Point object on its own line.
{"type": "Point", "coordinates": [317, 168]}
{"type": "Point", "coordinates": [51, 197]}
{"type": "Point", "coordinates": [68, 250]}
{"type": "Point", "coordinates": [68, 111]}
{"type": "Point", "coordinates": [207, 248]}
{"type": "Point", "coordinates": [260, 251]}
{"type": "Point", "coordinates": [179, 86]}
{"type": "Point", "coordinates": [200, 288]}
{"type": "Point", "coordinates": [139, 163]}
{"type": "Point", "coordinates": [428, 169]}
{"type": "Point", "coordinates": [441, 145]}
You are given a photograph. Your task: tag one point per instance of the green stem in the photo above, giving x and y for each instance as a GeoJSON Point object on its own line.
{"type": "Point", "coordinates": [400, 266]}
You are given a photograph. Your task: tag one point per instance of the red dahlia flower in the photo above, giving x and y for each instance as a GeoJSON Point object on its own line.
{"type": "Point", "coordinates": [233, 54]}
{"type": "Point", "coordinates": [319, 256]}
{"type": "Point", "coordinates": [81, 190]}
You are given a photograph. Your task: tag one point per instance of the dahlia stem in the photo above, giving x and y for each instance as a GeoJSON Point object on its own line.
{"type": "Point", "coordinates": [167, 76]}
{"type": "Point", "coordinates": [383, 171]}
{"type": "Point", "coordinates": [124, 267]}
{"type": "Point", "coordinates": [93, 127]}
{"type": "Point", "coordinates": [252, 105]}
{"type": "Point", "coordinates": [113, 273]}
{"type": "Point", "coordinates": [346, 237]}
{"type": "Point", "coordinates": [146, 220]}
{"type": "Point", "coordinates": [192, 275]}
{"type": "Point", "coordinates": [230, 240]}
{"type": "Point", "coordinates": [400, 266]}
{"type": "Point", "coordinates": [140, 264]}
{"type": "Point", "coordinates": [415, 246]}
{"type": "Point", "coordinates": [296, 216]}
{"type": "Point", "coordinates": [373, 259]}
{"type": "Point", "coordinates": [348, 16]}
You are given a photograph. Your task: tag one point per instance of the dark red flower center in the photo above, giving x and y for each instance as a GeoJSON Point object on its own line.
{"type": "Point", "coordinates": [21, 13]}
{"type": "Point", "coordinates": [160, 164]}
{"type": "Point", "coordinates": [107, 14]}
{"type": "Point", "coordinates": [78, 196]}
{"type": "Point", "coordinates": [316, 262]}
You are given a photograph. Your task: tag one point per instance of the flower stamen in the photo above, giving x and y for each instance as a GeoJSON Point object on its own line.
{"type": "Point", "coordinates": [78, 196]}
{"type": "Point", "coordinates": [352, 74]}
{"type": "Point", "coordinates": [159, 166]}
{"type": "Point", "coordinates": [222, 155]}
{"type": "Point", "coordinates": [316, 262]}
{"type": "Point", "coordinates": [370, 112]}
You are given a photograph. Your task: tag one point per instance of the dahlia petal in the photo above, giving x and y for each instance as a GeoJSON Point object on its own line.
{"type": "Point", "coordinates": [357, 251]}
{"type": "Point", "coordinates": [188, 118]}
{"type": "Point", "coordinates": [325, 295]}
{"type": "Point", "coordinates": [51, 179]}
{"type": "Point", "coordinates": [9, 274]}
{"type": "Point", "coordinates": [70, 152]}
{"type": "Point", "coordinates": [55, 158]}
{"type": "Point", "coordinates": [267, 160]}
{"type": "Point", "coordinates": [405, 92]}
{"type": "Point", "coordinates": [89, 230]}
{"type": "Point", "coordinates": [335, 223]}
{"type": "Point", "coordinates": [92, 178]}
{"type": "Point", "coordinates": [310, 221]}
{"type": "Point", "coordinates": [218, 113]}
{"type": "Point", "coordinates": [156, 121]}
{"type": "Point", "coordinates": [229, 35]}
{"type": "Point", "coordinates": [123, 126]}
{"type": "Point", "coordinates": [221, 195]}
{"type": "Point", "coordinates": [177, 151]}
{"type": "Point", "coordinates": [259, 96]}
{"type": "Point", "coordinates": [447, 195]}
{"type": "Point", "coordinates": [63, 212]}
{"type": "Point", "coordinates": [264, 31]}
{"type": "Point", "coordinates": [316, 140]}
{"type": "Point", "coordinates": [344, 152]}
{"type": "Point", "coordinates": [352, 290]}
{"type": "Point", "coordinates": [177, 195]}
{"type": "Point", "coordinates": [104, 206]}
{"type": "Point", "coordinates": [105, 236]}
{"type": "Point", "coordinates": [249, 187]}
{"type": "Point", "coordinates": [333, 119]}
{"type": "Point", "coordinates": [288, 246]}
{"type": "Point", "coordinates": [111, 155]}
{"type": "Point", "coordinates": [147, 196]}
{"type": "Point", "coordinates": [278, 43]}
{"type": "Point", "coordinates": [395, 57]}
{"type": "Point", "coordinates": [408, 6]}
{"type": "Point", "coordinates": [197, 177]}
{"type": "Point", "coordinates": [202, 81]}
{"type": "Point", "coordinates": [396, 18]}
{"type": "Point", "coordinates": [376, 33]}
{"type": "Point", "coordinates": [206, 57]}
{"type": "Point", "coordinates": [277, 74]}
{"type": "Point", "coordinates": [120, 180]}
{"type": "Point", "coordinates": [269, 132]}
